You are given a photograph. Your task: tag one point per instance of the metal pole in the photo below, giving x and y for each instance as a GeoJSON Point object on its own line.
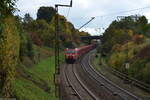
{"type": "Point", "coordinates": [56, 8]}
{"type": "Point", "coordinates": [57, 49]}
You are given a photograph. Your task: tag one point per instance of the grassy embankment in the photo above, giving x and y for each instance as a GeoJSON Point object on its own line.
{"type": "Point", "coordinates": [36, 82]}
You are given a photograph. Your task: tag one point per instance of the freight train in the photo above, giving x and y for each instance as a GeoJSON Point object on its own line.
{"type": "Point", "coordinates": [72, 55]}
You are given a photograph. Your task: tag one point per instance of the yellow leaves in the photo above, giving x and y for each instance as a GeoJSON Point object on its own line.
{"type": "Point", "coordinates": [117, 59]}
{"type": "Point", "coordinates": [130, 33]}
{"type": "Point", "coordinates": [121, 52]}
{"type": "Point", "coordinates": [116, 47]}
{"type": "Point", "coordinates": [9, 52]}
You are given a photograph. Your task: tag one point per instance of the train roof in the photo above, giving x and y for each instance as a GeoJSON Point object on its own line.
{"type": "Point", "coordinates": [71, 49]}
{"type": "Point", "coordinates": [76, 49]}
{"type": "Point", "coordinates": [85, 46]}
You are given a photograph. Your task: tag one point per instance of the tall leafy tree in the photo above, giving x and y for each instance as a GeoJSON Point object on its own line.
{"type": "Point", "coordinates": [9, 53]}
{"type": "Point", "coordinates": [120, 31]}
{"type": "Point", "coordinates": [7, 7]}
{"type": "Point", "coordinates": [27, 18]}
{"type": "Point", "coordinates": [46, 13]}
{"type": "Point", "coordinates": [142, 20]}
{"type": "Point", "coordinates": [9, 47]}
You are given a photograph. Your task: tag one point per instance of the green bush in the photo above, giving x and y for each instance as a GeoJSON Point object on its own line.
{"type": "Point", "coordinates": [117, 60]}
{"type": "Point", "coordinates": [136, 68]}
{"type": "Point", "coordinates": [146, 73]}
{"type": "Point", "coordinates": [26, 46]}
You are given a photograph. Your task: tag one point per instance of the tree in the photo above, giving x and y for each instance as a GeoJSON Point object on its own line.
{"type": "Point", "coordinates": [7, 7]}
{"type": "Point", "coordinates": [46, 13]}
{"type": "Point", "coordinates": [146, 30]}
{"type": "Point", "coordinates": [36, 39]}
{"type": "Point", "coordinates": [123, 30]}
{"type": "Point", "coordinates": [142, 20]}
{"type": "Point", "coordinates": [9, 54]}
{"type": "Point", "coordinates": [27, 18]}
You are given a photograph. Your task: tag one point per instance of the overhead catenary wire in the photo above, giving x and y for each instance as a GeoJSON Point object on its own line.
{"type": "Point", "coordinates": [115, 13]}
{"type": "Point", "coordinates": [109, 15]}
{"type": "Point", "coordinates": [126, 11]}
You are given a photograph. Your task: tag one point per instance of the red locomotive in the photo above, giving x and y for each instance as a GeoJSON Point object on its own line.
{"type": "Point", "coordinates": [71, 55]}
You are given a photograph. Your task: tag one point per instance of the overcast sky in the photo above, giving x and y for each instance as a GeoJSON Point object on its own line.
{"type": "Point", "coordinates": [83, 10]}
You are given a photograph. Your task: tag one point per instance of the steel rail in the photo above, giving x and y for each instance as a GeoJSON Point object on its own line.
{"type": "Point", "coordinates": [124, 76]}
{"type": "Point", "coordinates": [81, 84]}
{"type": "Point", "coordinates": [101, 83]}
{"type": "Point", "coordinates": [111, 83]}
{"type": "Point", "coordinates": [71, 85]}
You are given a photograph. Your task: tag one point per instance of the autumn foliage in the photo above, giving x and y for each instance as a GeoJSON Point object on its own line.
{"type": "Point", "coordinates": [9, 54]}
{"type": "Point", "coordinates": [36, 39]}
{"type": "Point", "coordinates": [127, 40]}
{"type": "Point", "coordinates": [144, 52]}
{"type": "Point", "coordinates": [138, 38]}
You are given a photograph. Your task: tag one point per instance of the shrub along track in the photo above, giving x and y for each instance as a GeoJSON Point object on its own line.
{"type": "Point", "coordinates": [82, 82]}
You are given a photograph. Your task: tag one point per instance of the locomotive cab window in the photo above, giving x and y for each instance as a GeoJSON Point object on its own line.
{"type": "Point", "coordinates": [71, 52]}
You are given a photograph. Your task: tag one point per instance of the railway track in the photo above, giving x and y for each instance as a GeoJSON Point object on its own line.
{"type": "Point", "coordinates": [115, 90]}
{"type": "Point", "coordinates": [85, 83]}
{"type": "Point", "coordinates": [80, 90]}
{"type": "Point", "coordinates": [123, 76]}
